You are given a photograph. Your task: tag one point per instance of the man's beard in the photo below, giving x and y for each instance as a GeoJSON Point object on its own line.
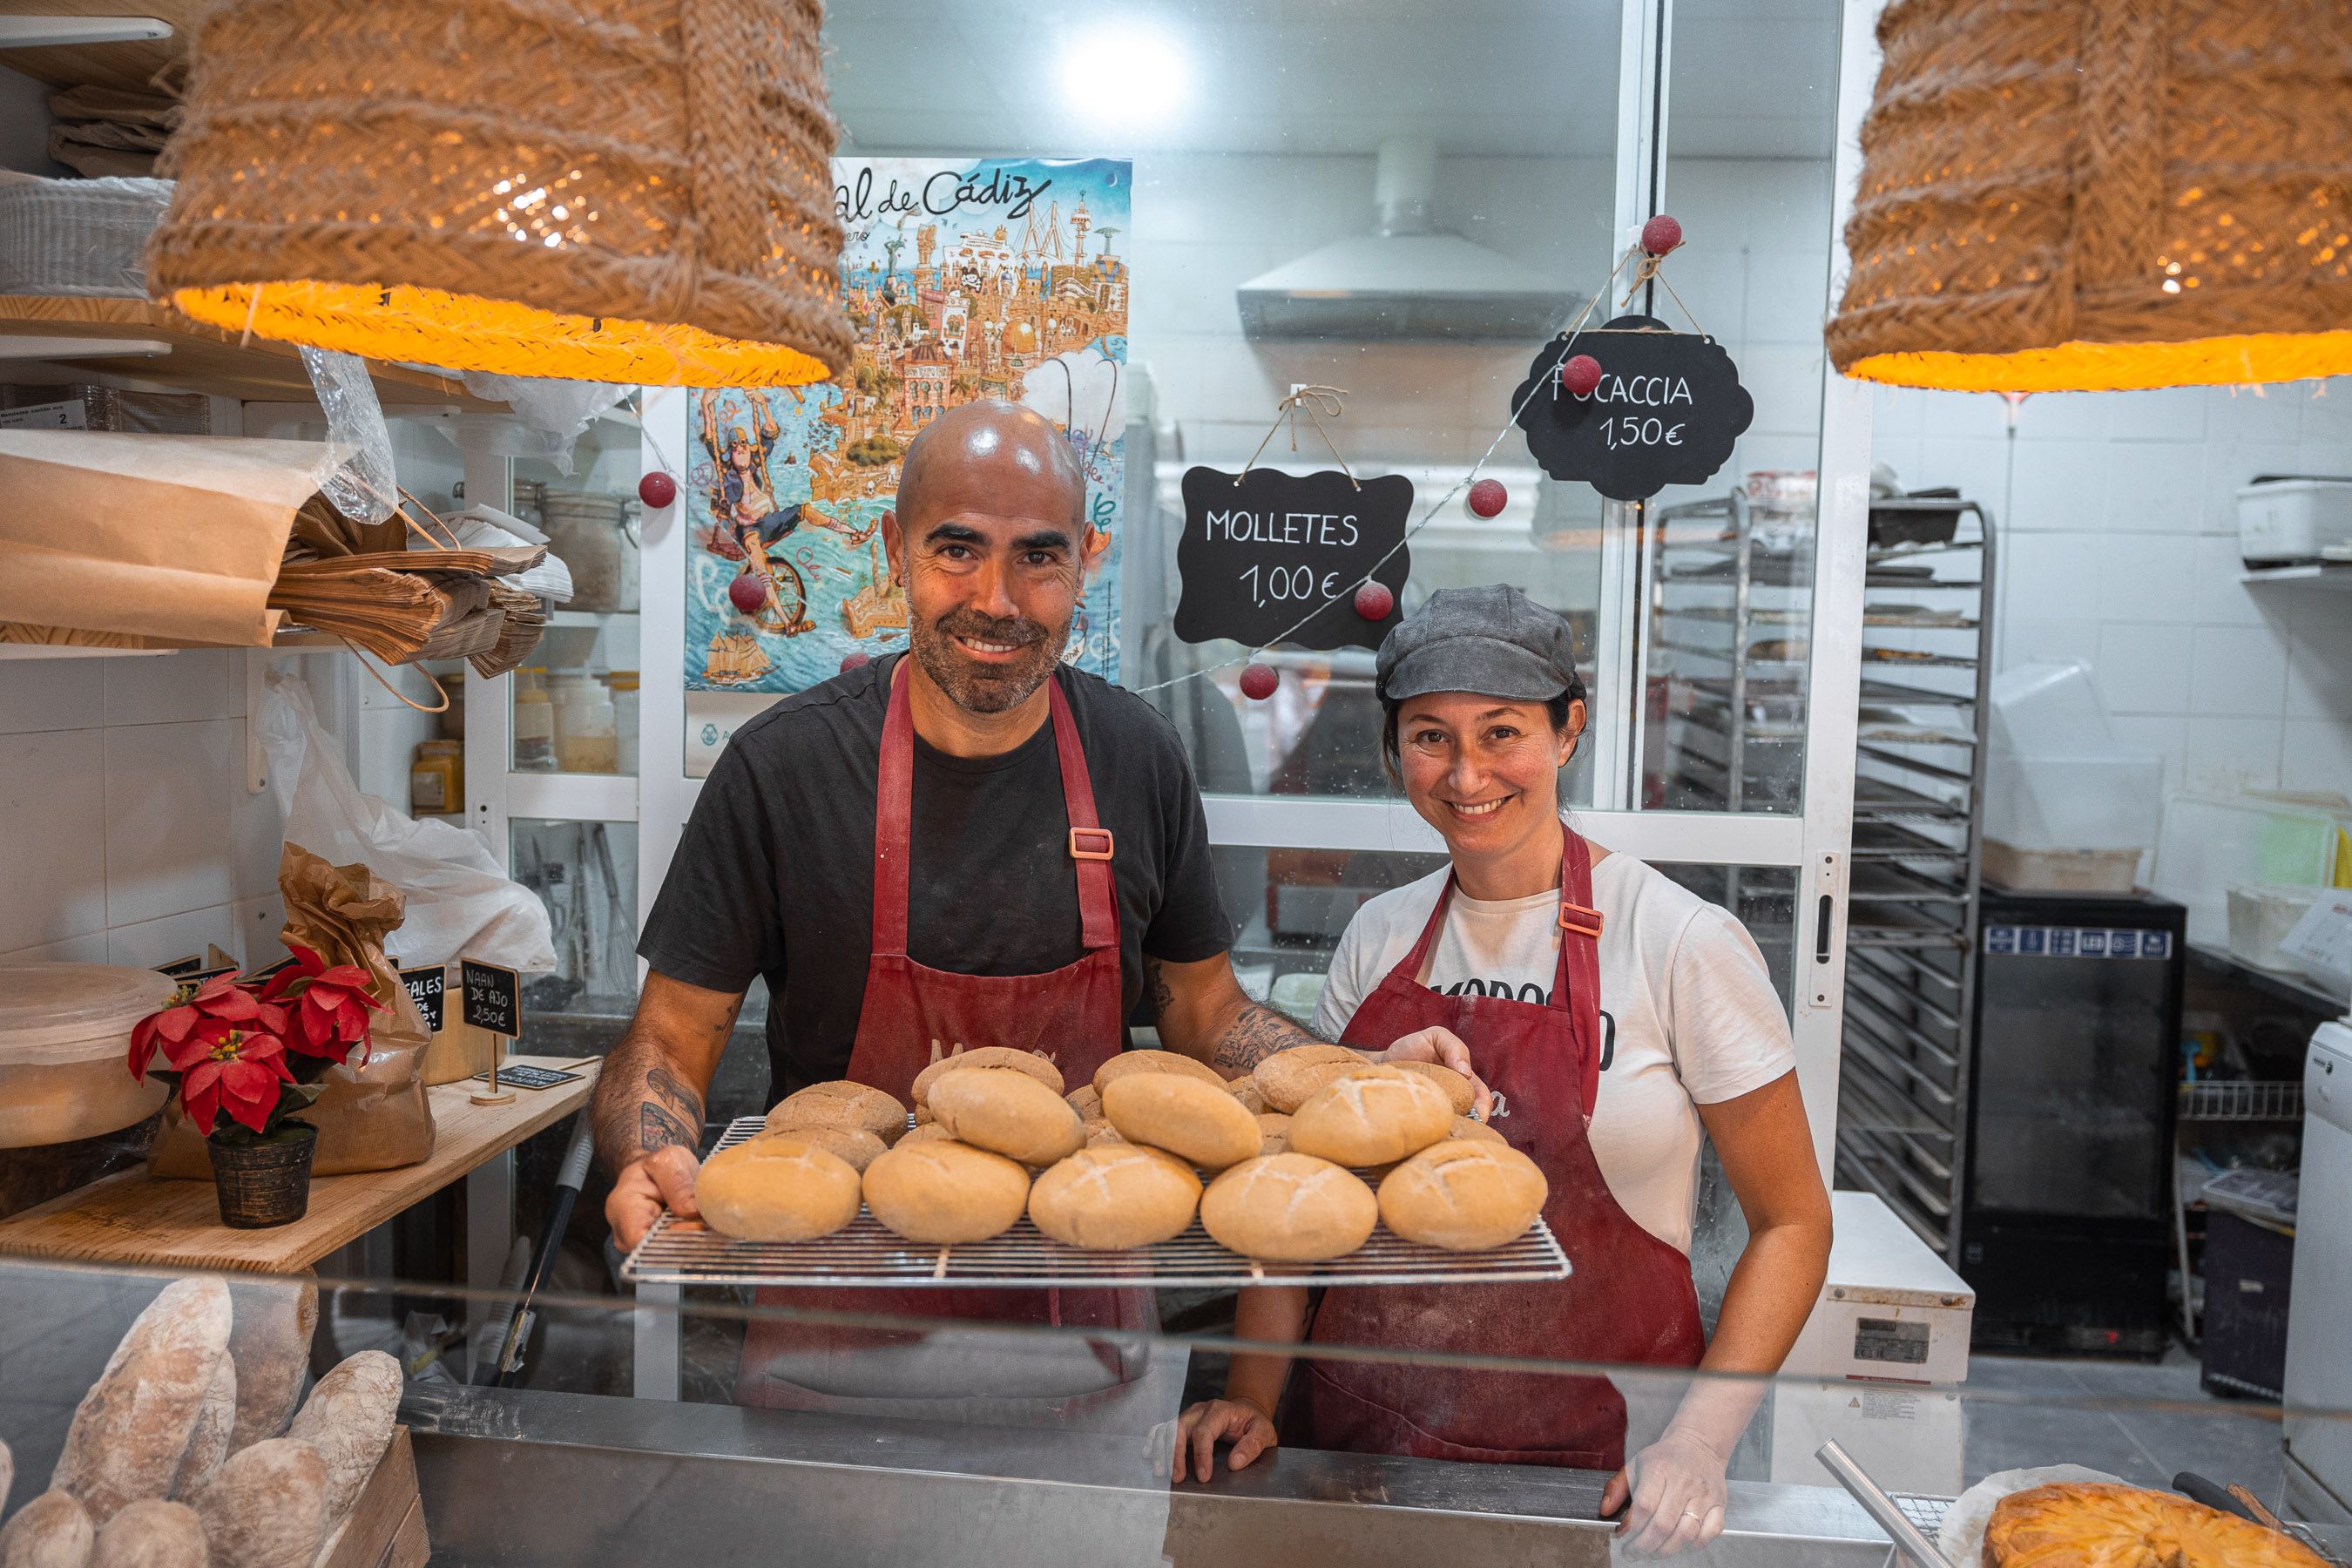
{"type": "Point", "coordinates": [977, 688]}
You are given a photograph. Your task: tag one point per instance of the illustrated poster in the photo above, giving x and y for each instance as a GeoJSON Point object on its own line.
{"type": "Point", "coordinates": [1003, 277]}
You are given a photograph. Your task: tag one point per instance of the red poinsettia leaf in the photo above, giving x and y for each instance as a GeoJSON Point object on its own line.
{"type": "Point", "coordinates": [234, 1003]}
{"type": "Point", "coordinates": [174, 1023]}
{"type": "Point", "coordinates": [188, 1053]}
{"type": "Point", "coordinates": [349, 976]}
{"type": "Point", "coordinates": [271, 1016]}
{"type": "Point", "coordinates": [306, 957]}
{"type": "Point", "coordinates": [203, 1108]}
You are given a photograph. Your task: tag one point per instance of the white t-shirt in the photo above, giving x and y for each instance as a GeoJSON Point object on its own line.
{"type": "Point", "coordinates": [1688, 1014]}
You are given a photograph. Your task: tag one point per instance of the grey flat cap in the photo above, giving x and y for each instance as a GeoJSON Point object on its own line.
{"type": "Point", "coordinates": [1494, 641]}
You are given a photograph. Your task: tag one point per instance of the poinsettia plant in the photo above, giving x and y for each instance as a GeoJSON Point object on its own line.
{"type": "Point", "coordinates": [256, 1050]}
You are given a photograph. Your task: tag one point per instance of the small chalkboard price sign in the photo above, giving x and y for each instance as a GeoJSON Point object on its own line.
{"type": "Point", "coordinates": [1263, 549]}
{"type": "Point", "coordinates": [425, 988]}
{"type": "Point", "coordinates": [492, 1001]}
{"type": "Point", "coordinates": [1667, 411]}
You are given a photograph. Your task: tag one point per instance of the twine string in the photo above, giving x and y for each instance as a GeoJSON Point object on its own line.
{"type": "Point", "coordinates": [1312, 398]}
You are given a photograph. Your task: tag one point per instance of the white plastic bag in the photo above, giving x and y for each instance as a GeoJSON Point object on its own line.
{"type": "Point", "coordinates": [459, 904]}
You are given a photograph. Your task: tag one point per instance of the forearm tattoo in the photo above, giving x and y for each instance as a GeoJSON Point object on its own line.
{"type": "Point", "coordinates": [643, 1104]}
{"type": "Point", "coordinates": [670, 1113]}
{"type": "Point", "coordinates": [1256, 1034]}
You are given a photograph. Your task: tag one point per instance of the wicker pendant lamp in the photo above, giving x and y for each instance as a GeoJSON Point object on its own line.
{"type": "Point", "coordinates": [2086, 195]}
{"type": "Point", "coordinates": [598, 190]}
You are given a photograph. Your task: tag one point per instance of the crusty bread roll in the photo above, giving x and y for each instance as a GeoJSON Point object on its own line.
{"type": "Point", "coordinates": [1244, 1089]}
{"type": "Point", "coordinates": [1197, 1120]}
{"type": "Point", "coordinates": [349, 1419]}
{"type": "Point", "coordinates": [1130, 1062]}
{"type": "Point", "coordinates": [856, 1146]}
{"type": "Point", "coordinates": [1086, 1100]}
{"type": "Point", "coordinates": [943, 1193]}
{"type": "Point", "coordinates": [1115, 1197]}
{"type": "Point", "coordinates": [840, 1103]}
{"type": "Point", "coordinates": [1099, 1132]}
{"type": "Point", "coordinates": [923, 1117]}
{"type": "Point", "coordinates": [152, 1534]}
{"type": "Point", "coordinates": [1030, 1062]}
{"type": "Point", "coordinates": [1463, 1196]}
{"type": "Point", "coordinates": [132, 1427]}
{"type": "Point", "coordinates": [1273, 1134]}
{"type": "Point", "coordinates": [1289, 1208]}
{"type": "Point", "coordinates": [1361, 1119]}
{"type": "Point", "coordinates": [1008, 1113]}
{"type": "Point", "coordinates": [53, 1530]}
{"type": "Point", "coordinates": [927, 1133]}
{"type": "Point", "coordinates": [1287, 1079]}
{"type": "Point", "coordinates": [1477, 1132]}
{"type": "Point", "coordinates": [265, 1506]}
{"type": "Point", "coordinates": [777, 1187]}
{"type": "Point", "coordinates": [1459, 1092]}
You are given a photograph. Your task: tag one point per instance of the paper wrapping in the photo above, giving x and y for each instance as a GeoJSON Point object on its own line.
{"type": "Point", "coordinates": [171, 537]}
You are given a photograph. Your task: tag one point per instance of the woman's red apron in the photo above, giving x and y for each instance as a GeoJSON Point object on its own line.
{"type": "Point", "coordinates": [1628, 1298]}
{"type": "Point", "coordinates": [1073, 1016]}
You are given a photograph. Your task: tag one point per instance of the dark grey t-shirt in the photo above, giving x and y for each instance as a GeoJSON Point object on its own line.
{"type": "Point", "coordinates": [774, 875]}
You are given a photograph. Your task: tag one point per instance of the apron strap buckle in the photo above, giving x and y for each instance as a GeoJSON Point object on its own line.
{"type": "Point", "coordinates": [1572, 917]}
{"type": "Point", "coordinates": [1091, 843]}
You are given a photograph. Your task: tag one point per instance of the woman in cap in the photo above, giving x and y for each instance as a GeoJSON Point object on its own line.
{"type": "Point", "coordinates": [1615, 1015]}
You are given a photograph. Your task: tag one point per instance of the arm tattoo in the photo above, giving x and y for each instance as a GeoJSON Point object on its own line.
{"type": "Point", "coordinates": [1256, 1033]}
{"type": "Point", "coordinates": [1155, 987]}
{"type": "Point", "coordinates": [671, 1113]}
{"type": "Point", "coordinates": [643, 1101]}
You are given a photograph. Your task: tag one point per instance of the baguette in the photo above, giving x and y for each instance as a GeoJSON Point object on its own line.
{"type": "Point", "coordinates": [269, 1341]}
{"type": "Point", "coordinates": [266, 1506]}
{"type": "Point", "coordinates": [132, 1427]}
{"type": "Point", "coordinates": [208, 1439]}
{"type": "Point", "coordinates": [349, 1419]}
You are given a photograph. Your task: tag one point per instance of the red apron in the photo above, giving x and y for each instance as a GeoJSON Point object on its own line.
{"type": "Point", "coordinates": [1073, 1016]}
{"type": "Point", "coordinates": [1629, 1298]}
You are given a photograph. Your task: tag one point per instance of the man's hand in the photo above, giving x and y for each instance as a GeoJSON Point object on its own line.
{"type": "Point", "coordinates": [1202, 1426]}
{"type": "Point", "coordinates": [1677, 1493]}
{"type": "Point", "coordinates": [663, 1179]}
{"type": "Point", "coordinates": [1446, 1049]}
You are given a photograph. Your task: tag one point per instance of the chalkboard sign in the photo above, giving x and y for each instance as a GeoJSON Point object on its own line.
{"type": "Point", "coordinates": [522, 1075]}
{"type": "Point", "coordinates": [1667, 411]}
{"type": "Point", "coordinates": [493, 998]}
{"type": "Point", "coordinates": [425, 988]}
{"type": "Point", "coordinates": [1261, 552]}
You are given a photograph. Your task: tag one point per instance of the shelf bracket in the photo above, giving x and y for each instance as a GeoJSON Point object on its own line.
{"type": "Point", "coordinates": [57, 32]}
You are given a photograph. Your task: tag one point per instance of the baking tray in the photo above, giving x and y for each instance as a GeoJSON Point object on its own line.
{"type": "Point", "coordinates": [863, 1254]}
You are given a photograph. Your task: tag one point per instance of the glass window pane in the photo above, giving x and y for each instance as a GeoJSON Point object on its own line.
{"type": "Point", "coordinates": [586, 874]}
{"type": "Point", "coordinates": [575, 704]}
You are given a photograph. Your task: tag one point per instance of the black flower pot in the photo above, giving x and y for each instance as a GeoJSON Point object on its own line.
{"type": "Point", "coordinates": [264, 1182]}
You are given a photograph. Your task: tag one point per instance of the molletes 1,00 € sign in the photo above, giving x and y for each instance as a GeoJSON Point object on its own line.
{"type": "Point", "coordinates": [1264, 551]}
{"type": "Point", "coordinates": [1667, 410]}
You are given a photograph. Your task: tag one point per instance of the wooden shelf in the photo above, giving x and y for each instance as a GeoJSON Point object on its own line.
{"type": "Point", "coordinates": [132, 66]}
{"type": "Point", "coordinates": [2336, 574]}
{"type": "Point", "coordinates": [205, 359]}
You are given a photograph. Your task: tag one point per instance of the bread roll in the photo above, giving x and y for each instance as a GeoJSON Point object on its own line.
{"type": "Point", "coordinates": [1273, 1134]}
{"type": "Point", "coordinates": [269, 1341]}
{"type": "Point", "coordinates": [1086, 1100]}
{"type": "Point", "coordinates": [1365, 1120]}
{"type": "Point", "coordinates": [777, 1187]}
{"type": "Point", "coordinates": [349, 1419]}
{"type": "Point", "coordinates": [131, 1428]}
{"type": "Point", "coordinates": [1030, 1062]}
{"type": "Point", "coordinates": [923, 1117]}
{"type": "Point", "coordinates": [1115, 1197]}
{"type": "Point", "coordinates": [152, 1534]}
{"type": "Point", "coordinates": [927, 1133]}
{"type": "Point", "coordinates": [855, 1146]}
{"type": "Point", "coordinates": [1244, 1089]}
{"type": "Point", "coordinates": [1476, 1133]}
{"type": "Point", "coordinates": [1289, 1208]}
{"type": "Point", "coordinates": [1130, 1062]}
{"type": "Point", "coordinates": [53, 1530]}
{"type": "Point", "coordinates": [1287, 1079]}
{"type": "Point", "coordinates": [944, 1193]}
{"type": "Point", "coordinates": [208, 1439]}
{"type": "Point", "coordinates": [265, 1506]}
{"type": "Point", "coordinates": [1008, 1113]}
{"type": "Point", "coordinates": [1463, 1196]}
{"type": "Point", "coordinates": [1199, 1121]}
{"type": "Point", "coordinates": [840, 1103]}
{"type": "Point", "coordinates": [1460, 1093]}
{"type": "Point", "coordinates": [1100, 1134]}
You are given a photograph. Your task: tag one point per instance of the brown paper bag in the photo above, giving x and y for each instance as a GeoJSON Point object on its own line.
{"type": "Point", "coordinates": [373, 1117]}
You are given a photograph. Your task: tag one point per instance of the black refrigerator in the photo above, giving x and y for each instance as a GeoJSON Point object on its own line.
{"type": "Point", "coordinates": [2066, 1221]}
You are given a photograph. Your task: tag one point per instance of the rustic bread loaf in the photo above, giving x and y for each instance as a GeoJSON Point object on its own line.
{"type": "Point", "coordinates": [923, 1132]}
{"type": "Point", "coordinates": [1197, 1120]}
{"type": "Point", "coordinates": [1086, 1100]}
{"type": "Point", "coordinates": [1287, 1079]}
{"type": "Point", "coordinates": [269, 1341]}
{"type": "Point", "coordinates": [2071, 1524]}
{"type": "Point", "coordinates": [1130, 1062]}
{"type": "Point", "coordinates": [944, 1193]}
{"type": "Point", "coordinates": [1008, 1113]}
{"type": "Point", "coordinates": [854, 1146]}
{"type": "Point", "coordinates": [266, 1506]}
{"type": "Point", "coordinates": [1366, 1120]}
{"type": "Point", "coordinates": [1006, 1057]}
{"type": "Point", "coordinates": [208, 1439]}
{"type": "Point", "coordinates": [1244, 1089]}
{"type": "Point", "coordinates": [777, 1187]}
{"type": "Point", "coordinates": [923, 1117]}
{"type": "Point", "coordinates": [53, 1530]}
{"type": "Point", "coordinates": [840, 1103]}
{"type": "Point", "coordinates": [152, 1534]}
{"type": "Point", "coordinates": [131, 1428]}
{"type": "Point", "coordinates": [1115, 1197]}
{"type": "Point", "coordinates": [1273, 1133]}
{"type": "Point", "coordinates": [1289, 1208]}
{"type": "Point", "coordinates": [348, 1418]}
{"type": "Point", "coordinates": [1460, 1093]}
{"type": "Point", "coordinates": [1100, 1133]}
{"type": "Point", "coordinates": [1476, 1133]}
{"type": "Point", "coordinates": [1463, 1196]}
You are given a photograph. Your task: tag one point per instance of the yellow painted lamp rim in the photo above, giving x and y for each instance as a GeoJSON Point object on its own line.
{"type": "Point", "coordinates": [2083, 366]}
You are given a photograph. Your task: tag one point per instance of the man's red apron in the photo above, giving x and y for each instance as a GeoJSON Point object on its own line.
{"type": "Point", "coordinates": [1629, 1298]}
{"type": "Point", "coordinates": [1073, 1016]}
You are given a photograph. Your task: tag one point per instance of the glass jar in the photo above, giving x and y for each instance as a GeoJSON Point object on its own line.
{"type": "Point", "coordinates": [436, 779]}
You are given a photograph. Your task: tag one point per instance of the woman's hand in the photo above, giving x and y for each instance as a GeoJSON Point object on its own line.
{"type": "Point", "coordinates": [1445, 1047]}
{"type": "Point", "coordinates": [1675, 1489]}
{"type": "Point", "coordinates": [1242, 1421]}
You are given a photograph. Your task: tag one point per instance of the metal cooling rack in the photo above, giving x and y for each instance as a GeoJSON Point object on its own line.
{"type": "Point", "coordinates": [865, 1253]}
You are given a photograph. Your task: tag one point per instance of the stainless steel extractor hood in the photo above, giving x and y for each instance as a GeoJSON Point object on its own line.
{"type": "Point", "coordinates": [1404, 280]}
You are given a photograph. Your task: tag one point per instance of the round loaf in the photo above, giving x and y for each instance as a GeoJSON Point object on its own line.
{"type": "Point", "coordinates": [1287, 1079]}
{"type": "Point", "coordinates": [1476, 1133]}
{"type": "Point", "coordinates": [840, 1103]}
{"type": "Point", "coordinates": [1184, 1116]}
{"type": "Point", "coordinates": [1099, 1132]}
{"type": "Point", "coordinates": [1463, 1196]}
{"type": "Point", "coordinates": [152, 1534]}
{"type": "Point", "coordinates": [1289, 1208]}
{"type": "Point", "coordinates": [1086, 1100]}
{"type": "Point", "coordinates": [1128, 1063]}
{"type": "Point", "coordinates": [778, 1187]}
{"type": "Point", "coordinates": [1008, 1113]}
{"type": "Point", "coordinates": [1459, 1092]}
{"type": "Point", "coordinates": [53, 1530]}
{"type": "Point", "coordinates": [1030, 1062]}
{"type": "Point", "coordinates": [856, 1146]}
{"type": "Point", "coordinates": [1115, 1197]}
{"type": "Point", "coordinates": [943, 1193]}
{"type": "Point", "coordinates": [1273, 1133]}
{"type": "Point", "coordinates": [1244, 1089]}
{"type": "Point", "coordinates": [925, 1132]}
{"type": "Point", "coordinates": [1366, 1120]}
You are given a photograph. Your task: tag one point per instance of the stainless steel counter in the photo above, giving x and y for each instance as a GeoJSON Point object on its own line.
{"type": "Point", "coordinates": [514, 1478]}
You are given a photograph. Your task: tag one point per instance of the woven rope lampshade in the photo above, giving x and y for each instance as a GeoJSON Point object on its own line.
{"type": "Point", "coordinates": [2083, 194]}
{"type": "Point", "coordinates": [597, 190]}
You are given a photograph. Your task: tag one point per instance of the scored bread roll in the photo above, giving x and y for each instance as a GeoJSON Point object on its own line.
{"type": "Point", "coordinates": [1273, 1134]}
{"type": "Point", "coordinates": [923, 1117]}
{"type": "Point", "coordinates": [1287, 1079]}
{"type": "Point", "coordinates": [1128, 1063]}
{"type": "Point", "coordinates": [1008, 1113]}
{"type": "Point", "coordinates": [928, 1133]}
{"type": "Point", "coordinates": [1115, 1197]}
{"type": "Point", "coordinates": [840, 1103]}
{"type": "Point", "coordinates": [856, 1146]}
{"type": "Point", "coordinates": [1476, 1133]}
{"type": "Point", "coordinates": [778, 1187]}
{"type": "Point", "coordinates": [1099, 1132]}
{"type": "Point", "coordinates": [1184, 1116]}
{"type": "Point", "coordinates": [942, 1193]}
{"type": "Point", "coordinates": [1459, 1092]}
{"type": "Point", "coordinates": [1244, 1089]}
{"type": "Point", "coordinates": [1086, 1100]}
{"type": "Point", "coordinates": [1362, 1120]}
{"type": "Point", "coordinates": [1289, 1208]}
{"type": "Point", "coordinates": [1463, 1196]}
{"type": "Point", "coordinates": [1007, 1057]}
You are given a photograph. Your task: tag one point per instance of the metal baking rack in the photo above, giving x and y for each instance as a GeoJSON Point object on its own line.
{"type": "Point", "coordinates": [865, 1253]}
